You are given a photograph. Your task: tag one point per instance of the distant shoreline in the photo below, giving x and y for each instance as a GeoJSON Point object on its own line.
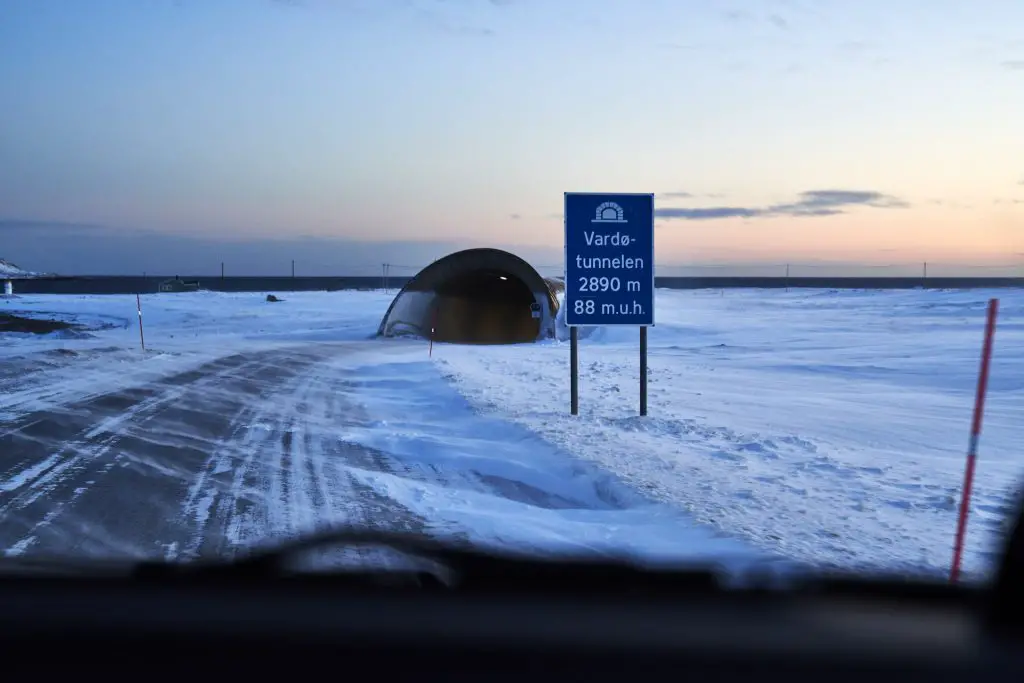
{"type": "Point", "coordinates": [127, 284]}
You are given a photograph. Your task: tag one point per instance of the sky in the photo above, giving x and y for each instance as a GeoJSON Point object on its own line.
{"type": "Point", "coordinates": [169, 136]}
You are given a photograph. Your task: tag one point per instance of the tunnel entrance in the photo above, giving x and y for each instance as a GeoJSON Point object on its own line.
{"type": "Point", "coordinates": [484, 307]}
{"type": "Point", "coordinates": [477, 296]}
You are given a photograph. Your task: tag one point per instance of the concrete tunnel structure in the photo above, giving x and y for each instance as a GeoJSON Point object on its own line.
{"type": "Point", "coordinates": [476, 296]}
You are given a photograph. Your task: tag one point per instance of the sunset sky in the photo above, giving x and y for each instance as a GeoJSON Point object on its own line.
{"type": "Point", "coordinates": [171, 135]}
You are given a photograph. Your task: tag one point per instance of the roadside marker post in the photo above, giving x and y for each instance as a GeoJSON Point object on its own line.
{"type": "Point", "coordinates": [433, 328]}
{"type": "Point", "coordinates": [609, 271]}
{"type": "Point", "coordinates": [142, 337]}
{"type": "Point", "coordinates": [972, 446]}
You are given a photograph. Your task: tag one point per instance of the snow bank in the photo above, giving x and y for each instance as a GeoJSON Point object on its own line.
{"type": "Point", "coordinates": [828, 426]}
{"type": "Point", "coordinates": [452, 462]}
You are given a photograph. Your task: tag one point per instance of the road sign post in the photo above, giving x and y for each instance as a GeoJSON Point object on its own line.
{"type": "Point", "coordinates": [643, 371]}
{"type": "Point", "coordinates": [609, 270]}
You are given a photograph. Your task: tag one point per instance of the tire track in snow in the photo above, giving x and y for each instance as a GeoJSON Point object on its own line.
{"type": "Point", "coordinates": [152, 432]}
{"type": "Point", "coordinates": [89, 378]}
{"type": "Point", "coordinates": [27, 445]}
{"type": "Point", "coordinates": [334, 465]}
{"type": "Point", "coordinates": [42, 477]}
{"type": "Point", "coordinates": [292, 478]}
{"type": "Point", "coordinates": [210, 509]}
{"type": "Point", "coordinates": [87, 461]}
{"type": "Point", "coordinates": [223, 490]}
{"type": "Point", "coordinates": [249, 448]}
{"type": "Point", "coordinates": [248, 509]}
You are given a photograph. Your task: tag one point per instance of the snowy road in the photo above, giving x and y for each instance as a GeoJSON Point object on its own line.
{"type": "Point", "coordinates": [197, 463]}
{"type": "Point", "coordinates": [278, 441]}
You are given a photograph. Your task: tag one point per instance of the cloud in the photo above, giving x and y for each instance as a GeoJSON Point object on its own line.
{"type": "Point", "coordinates": [854, 46]}
{"type": "Point", "coordinates": [800, 7]}
{"type": "Point", "coordinates": [1014, 64]}
{"type": "Point", "coordinates": [950, 204]}
{"type": "Point", "coordinates": [861, 50]}
{"type": "Point", "coordinates": [17, 224]}
{"type": "Point", "coordinates": [442, 17]}
{"type": "Point", "coordinates": [514, 216]}
{"type": "Point", "coordinates": [737, 16]}
{"type": "Point", "coordinates": [469, 30]}
{"type": "Point", "coordinates": [439, 14]}
{"type": "Point", "coordinates": [810, 203]}
{"type": "Point", "coordinates": [87, 249]}
{"type": "Point", "coordinates": [830, 202]}
{"type": "Point", "coordinates": [686, 46]}
{"type": "Point", "coordinates": [689, 195]}
{"type": "Point", "coordinates": [707, 214]}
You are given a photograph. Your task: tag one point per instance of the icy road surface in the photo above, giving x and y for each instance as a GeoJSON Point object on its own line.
{"type": "Point", "coordinates": [196, 463]}
{"type": "Point", "coordinates": [275, 442]}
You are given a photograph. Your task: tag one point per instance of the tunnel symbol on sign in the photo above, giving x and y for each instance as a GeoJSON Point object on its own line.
{"type": "Point", "coordinates": [609, 212]}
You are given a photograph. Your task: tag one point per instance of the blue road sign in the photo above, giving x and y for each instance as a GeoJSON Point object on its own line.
{"type": "Point", "coordinates": [609, 259]}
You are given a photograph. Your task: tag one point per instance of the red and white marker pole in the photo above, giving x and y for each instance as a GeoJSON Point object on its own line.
{"type": "Point", "coordinates": [142, 337]}
{"type": "Point", "coordinates": [972, 447]}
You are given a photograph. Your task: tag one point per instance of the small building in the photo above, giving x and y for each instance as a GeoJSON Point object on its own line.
{"type": "Point", "coordinates": [176, 284]}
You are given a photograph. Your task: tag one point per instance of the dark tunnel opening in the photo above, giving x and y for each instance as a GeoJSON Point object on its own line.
{"type": "Point", "coordinates": [476, 296]}
{"type": "Point", "coordinates": [484, 307]}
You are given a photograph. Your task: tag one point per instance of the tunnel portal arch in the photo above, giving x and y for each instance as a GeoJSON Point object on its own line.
{"type": "Point", "coordinates": [475, 296]}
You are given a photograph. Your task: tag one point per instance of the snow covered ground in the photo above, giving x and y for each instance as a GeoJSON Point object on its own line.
{"type": "Point", "coordinates": [181, 331]}
{"type": "Point", "coordinates": [827, 427]}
